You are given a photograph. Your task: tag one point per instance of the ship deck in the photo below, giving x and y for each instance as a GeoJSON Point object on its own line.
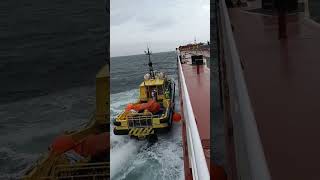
{"type": "Point", "coordinates": [198, 86]}
{"type": "Point", "coordinates": [283, 80]}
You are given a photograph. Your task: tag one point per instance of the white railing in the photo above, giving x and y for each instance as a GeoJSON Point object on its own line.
{"type": "Point", "coordinates": [197, 158]}
{"type": "Point", "coordinates": [250, 159]}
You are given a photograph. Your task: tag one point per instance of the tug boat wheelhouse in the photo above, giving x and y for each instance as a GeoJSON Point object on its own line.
{"type": "Point", "coordinates": [153, 111]}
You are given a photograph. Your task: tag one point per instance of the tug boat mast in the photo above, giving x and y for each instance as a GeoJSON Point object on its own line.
{"type": "Point", "coordinates": [148, 53]}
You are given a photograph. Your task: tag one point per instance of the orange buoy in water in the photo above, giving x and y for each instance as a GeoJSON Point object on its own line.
{"type": "Point", "coordinates": [62, 143]}
{"type": "Point", "coordinates": [176, 117]}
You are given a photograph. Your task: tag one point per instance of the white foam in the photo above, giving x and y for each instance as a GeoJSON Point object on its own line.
{"type": "Point", "coordinates": [122, 98]}
{"type": "Point", "coordinates": [121, 155]}
{"type": "Point", "coordinates": [29, 125]}
{"type": "Point", "coordinates": [20, 159]}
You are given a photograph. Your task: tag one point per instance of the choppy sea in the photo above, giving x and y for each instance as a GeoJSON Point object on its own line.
{"type": "Point", "coordinates": [49, 54]}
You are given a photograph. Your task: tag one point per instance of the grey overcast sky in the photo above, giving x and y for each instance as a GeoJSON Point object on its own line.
{"type": "Point", "coordinates": [162, 24]}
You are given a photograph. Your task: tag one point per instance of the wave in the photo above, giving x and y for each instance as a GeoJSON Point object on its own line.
{"type": "Point", "coordinates": [9, 157]}
{"type": "Point", "coordinates": [28, 126]}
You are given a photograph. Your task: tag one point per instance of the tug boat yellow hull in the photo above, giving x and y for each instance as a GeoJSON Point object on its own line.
{"type": "Point", "coordinates": [144, 124]}
{"type": "Point", "coordinates": [57, 164]}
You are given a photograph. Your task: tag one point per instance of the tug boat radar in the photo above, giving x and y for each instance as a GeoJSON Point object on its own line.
{"type": "Point", "coordinates": [153, 112]}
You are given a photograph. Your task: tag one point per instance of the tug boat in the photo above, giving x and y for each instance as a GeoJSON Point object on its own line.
{"type": "Point", "coordinates": [153, 112]}
{"type": "Point", "coordinates": [82, 154]}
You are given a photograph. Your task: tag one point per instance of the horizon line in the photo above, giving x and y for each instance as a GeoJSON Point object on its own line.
{"type": "Point", "coordinates": [139, 54]}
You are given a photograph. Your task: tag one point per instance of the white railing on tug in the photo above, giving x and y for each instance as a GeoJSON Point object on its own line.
{"type": "Point", "coordinates": [197, 158]}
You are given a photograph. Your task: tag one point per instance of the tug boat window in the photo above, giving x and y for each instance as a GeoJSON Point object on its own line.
{"type": "Point", "coordinates": [157, 89]}
{"type": "Point", "coordinates": [160, 90]}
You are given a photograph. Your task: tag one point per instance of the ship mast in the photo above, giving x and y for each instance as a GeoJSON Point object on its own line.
{"type": "Point", "coordinates": [148, 53]}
